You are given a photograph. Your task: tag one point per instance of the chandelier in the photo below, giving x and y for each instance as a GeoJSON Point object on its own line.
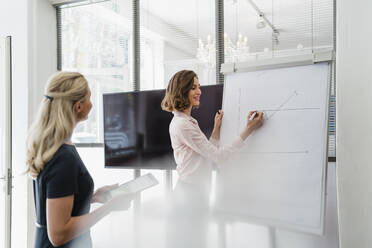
{"type": "Point", "coordinates": [206, 53]}
{"type": "Point", "coordinates": [234, 52]}
{"type": "Point", "coordinates": [238, 52]}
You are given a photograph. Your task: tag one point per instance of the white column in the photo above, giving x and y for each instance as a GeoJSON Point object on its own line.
{"type": "Point", "coordinates": [354, 122]}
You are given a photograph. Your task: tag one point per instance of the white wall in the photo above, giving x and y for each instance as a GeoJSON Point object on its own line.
{"type": "Point", "coordinates": [354, 122]}
{"type": "Point", "coordinates": [42, 35]}
{"type": "Point", "coordinates": [43, 49]}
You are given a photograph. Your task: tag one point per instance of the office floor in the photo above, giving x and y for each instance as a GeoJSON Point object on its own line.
{"type": "Point", "coordinates": [148, 228]}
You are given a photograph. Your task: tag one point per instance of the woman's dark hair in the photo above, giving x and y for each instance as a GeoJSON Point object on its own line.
{"type": "Point", "coordinates": [176, 95]}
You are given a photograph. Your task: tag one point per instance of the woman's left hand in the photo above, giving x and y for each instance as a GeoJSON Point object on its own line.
{"type": "Point", "coordinates": [218, 119]}
{"type": "Point", "coordinates": [101, 195]}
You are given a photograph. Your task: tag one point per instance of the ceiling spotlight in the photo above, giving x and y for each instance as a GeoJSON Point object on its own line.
{"type": "Point", "coordinates": [300, 46]}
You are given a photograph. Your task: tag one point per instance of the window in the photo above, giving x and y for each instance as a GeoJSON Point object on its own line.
{"type": "Point", "coordinates": [96, 41]}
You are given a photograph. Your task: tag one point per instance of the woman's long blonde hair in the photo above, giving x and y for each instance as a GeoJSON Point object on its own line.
{"type": "Point", "coordinates": [55, 120]}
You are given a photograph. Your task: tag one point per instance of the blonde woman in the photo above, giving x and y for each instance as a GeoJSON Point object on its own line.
{"type": "Point", "coordinates": [63, 187]}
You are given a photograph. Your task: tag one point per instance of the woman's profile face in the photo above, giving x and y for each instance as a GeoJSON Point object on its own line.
{"type": "Point", "coordinates": [194, 93]}
{"type": "Point", "coordinates": [86, 106]}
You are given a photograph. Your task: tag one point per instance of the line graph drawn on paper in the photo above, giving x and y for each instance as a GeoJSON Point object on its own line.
{"type": "Point", "coordinates": [269, 113]}
{"type": "Point", "coordinates": [291, 103]}
{"type": "Point", "coordinates": [279, 108]}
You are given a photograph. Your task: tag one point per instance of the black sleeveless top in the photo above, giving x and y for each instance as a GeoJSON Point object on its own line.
{"type": "Point", "coordinates": [65, 174]}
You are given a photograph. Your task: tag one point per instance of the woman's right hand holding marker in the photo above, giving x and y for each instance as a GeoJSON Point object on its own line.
{"type": "Point", "coordinates": [254, 121]}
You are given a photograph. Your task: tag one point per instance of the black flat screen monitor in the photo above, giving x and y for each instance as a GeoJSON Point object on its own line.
{"type": "Point", "coordinates": [136, 129]}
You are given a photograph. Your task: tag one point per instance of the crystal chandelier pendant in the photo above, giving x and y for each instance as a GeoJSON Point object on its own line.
{"type": "Point", "coordinates": [234, 52]}
{"type": "Point", "coordinates": [206, 53]}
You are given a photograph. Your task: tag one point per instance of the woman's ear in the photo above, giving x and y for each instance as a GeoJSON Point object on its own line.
{"type": "Point", "coordinates": [77, 107]}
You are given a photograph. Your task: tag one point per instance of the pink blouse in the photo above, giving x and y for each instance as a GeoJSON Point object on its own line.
{"type": "Point", "coordinates": [193, 152]}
